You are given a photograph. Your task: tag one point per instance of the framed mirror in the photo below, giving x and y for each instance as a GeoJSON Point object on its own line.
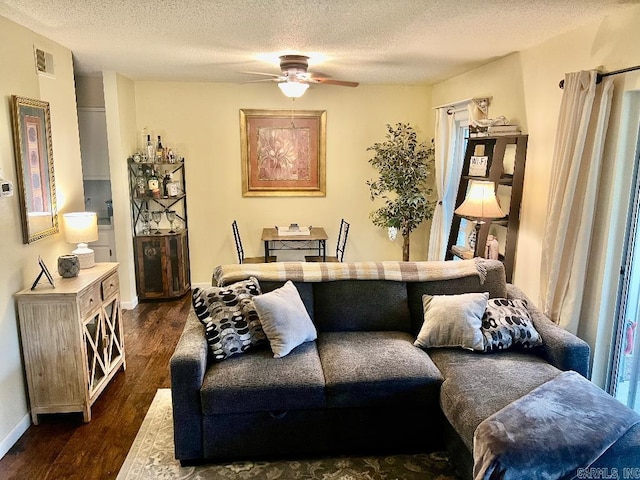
{"type": "Point", "coordinates": [34, 167]}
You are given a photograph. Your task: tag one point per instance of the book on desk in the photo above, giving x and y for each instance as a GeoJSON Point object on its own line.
{"type": "Point", "coordinates": [293, 230]}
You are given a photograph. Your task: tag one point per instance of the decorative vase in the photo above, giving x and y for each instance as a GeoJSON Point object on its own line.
{"type": "Point", "coordinates": [68, 266]}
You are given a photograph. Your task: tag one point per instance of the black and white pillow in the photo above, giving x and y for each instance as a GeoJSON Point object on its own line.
{"type": "Point", "coordinates": [232, 325]}
{"type": "Point", "coordinates": [230, 296]}
{"type": "Point", "coordinates": [507, 323]}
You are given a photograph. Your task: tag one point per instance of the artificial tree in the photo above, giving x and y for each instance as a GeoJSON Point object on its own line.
{"type": "Point", "coordinates": [404, 167]}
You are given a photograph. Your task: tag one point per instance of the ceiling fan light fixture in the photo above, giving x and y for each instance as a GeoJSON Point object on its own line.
{"type": "Point", "coordinates": [293, 89]}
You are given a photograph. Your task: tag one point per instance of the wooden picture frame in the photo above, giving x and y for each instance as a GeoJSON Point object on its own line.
{"type": "Point", "coordinates": [31, 120]}
{"type": "Point", "coordinates": [283, 152]}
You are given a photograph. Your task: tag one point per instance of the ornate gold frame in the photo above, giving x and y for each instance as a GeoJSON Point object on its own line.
{"type": "Point", "coordinates": [283, 153]}
{"type": "Point", "coordinates": [31, 120]}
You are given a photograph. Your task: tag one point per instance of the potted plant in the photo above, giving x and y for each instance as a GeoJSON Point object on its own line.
{"type": "Point", "coordinates": [404, 167]}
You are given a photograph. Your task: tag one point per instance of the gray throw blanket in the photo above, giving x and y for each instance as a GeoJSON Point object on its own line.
{"type": "Point", "coordinates": [550, 433]}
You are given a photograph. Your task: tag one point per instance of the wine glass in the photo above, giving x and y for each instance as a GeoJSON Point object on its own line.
{"type": "Point", "coordinates": [146, 216]}
{"type": "Point", "coordinates": [156, 216]}
{"type": "Point", "coordinates": [171, 216]}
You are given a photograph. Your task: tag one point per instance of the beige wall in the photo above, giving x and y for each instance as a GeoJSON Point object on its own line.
{"type": "Point", "coordinates": [121, 136]}
{"type": "Point", "coordinates": [202, 121]}
{"type": "Point", "coordinates": [19, 261]}
{"type": "Point", "coordinates": [525, 88]}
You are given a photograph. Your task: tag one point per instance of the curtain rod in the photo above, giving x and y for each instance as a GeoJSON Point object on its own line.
{"type": "Point", "coordinates": [600, 76]}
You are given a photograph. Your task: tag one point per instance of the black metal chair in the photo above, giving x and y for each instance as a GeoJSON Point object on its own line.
{"type": "Point", "coordinates": [240, 250]}
{"type": "Point", "coordinates": [340, 246]}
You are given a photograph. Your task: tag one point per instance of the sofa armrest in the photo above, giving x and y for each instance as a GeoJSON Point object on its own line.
{"type": "Point", "coordinates": [187, 366]}
{"type": "Point", "coordinates": [561, 348]}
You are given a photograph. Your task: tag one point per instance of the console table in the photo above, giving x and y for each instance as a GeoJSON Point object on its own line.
{"type": "Point", "coordinates": [72, 340]}
{"type": "Point", "coordinates": [316, 240]}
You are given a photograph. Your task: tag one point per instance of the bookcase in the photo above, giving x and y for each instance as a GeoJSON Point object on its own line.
{"type": "Point", "coordinates": [499, 159]}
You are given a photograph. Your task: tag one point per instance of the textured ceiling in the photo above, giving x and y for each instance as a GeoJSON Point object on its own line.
{"type": "Point", "coordinates": [367, 41]}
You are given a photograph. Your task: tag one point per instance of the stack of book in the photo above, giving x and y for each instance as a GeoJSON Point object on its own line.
{"type": "Point", "coordinates": [292, 230]}
{"type": "Point", "coordinates": [462, 251]}
{"type": "Point", "coordinates": [503, 130]}
{"type": "Point", "coordinates": [478, 131]}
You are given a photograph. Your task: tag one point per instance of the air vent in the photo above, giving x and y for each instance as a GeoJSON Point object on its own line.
{"type": "Point", "coordinates": [44, 62]}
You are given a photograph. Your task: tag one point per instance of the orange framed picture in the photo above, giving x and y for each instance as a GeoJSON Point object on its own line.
{"type": "Point", "coordinates": [283, 152]}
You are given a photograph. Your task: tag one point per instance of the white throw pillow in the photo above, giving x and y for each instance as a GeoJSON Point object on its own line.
{"type": "Point", "coordinates": [452, 321]}
{"type": "Point", "coordinates": [284, 319]}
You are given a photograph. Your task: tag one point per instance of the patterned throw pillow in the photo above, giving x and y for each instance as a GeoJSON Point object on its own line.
{"type": "Point", "coordinates": [232, 325]}
{"type": "Point", "coordinates": [507, 323]}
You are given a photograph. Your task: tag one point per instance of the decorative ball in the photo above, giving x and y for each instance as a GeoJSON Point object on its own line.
{"type": "Point", "coordinates": [68, 266]}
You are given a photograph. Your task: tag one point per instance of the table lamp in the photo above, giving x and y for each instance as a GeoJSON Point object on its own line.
{"type": "Point", "coordinates": [479, 204]}
{"type": "Point", "coordinates": [82, 228]}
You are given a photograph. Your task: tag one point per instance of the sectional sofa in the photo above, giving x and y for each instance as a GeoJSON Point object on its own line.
{"type": "Point", "coordinates": [361, 381]}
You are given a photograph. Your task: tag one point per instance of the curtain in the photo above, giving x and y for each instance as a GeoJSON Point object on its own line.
{"type": "Point", "coordinates": [577, 158]}
{"type": "Point", "coordinates": [447, 179]}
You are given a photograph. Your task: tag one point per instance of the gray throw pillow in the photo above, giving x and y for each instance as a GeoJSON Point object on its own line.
{"type": "Point", "coordinates": [507, 323]}
{"type": "Point", "coordinates": [284, 319]}
{"type": "Point", "coordinates": [232, 325]}
{"type": "Point", "coordinates": [453, 321]}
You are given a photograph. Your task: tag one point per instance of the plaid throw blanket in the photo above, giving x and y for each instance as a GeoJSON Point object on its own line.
{"type": "Point", "coordinates": [323, 272]}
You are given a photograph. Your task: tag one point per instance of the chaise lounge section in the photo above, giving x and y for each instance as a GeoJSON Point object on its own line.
{"type": "Point", "coordinates": [362, 386]}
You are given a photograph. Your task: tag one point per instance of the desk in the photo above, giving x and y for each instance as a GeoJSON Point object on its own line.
{"type": "Point", "coordinates": [317, 236]}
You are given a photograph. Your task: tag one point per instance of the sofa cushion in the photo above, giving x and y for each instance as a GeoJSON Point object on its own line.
{"type": "Point", "coordinates": [284, 319]}
{"type": "Point", "coordinates": [373, 369]}
{"type": "Point", "coordinates": [231, 323]}
{"type": "Point", "coordinates": [257, 382]}
{"type": "Point", "coordinates": [495, 283]}
{"type": "Point", "coordinates": [361, 305]}
{"type": "Point", "coordinates": [478, 385]}
{"type": "Point", "coordinates": [507, 323]}
{"type": "Point", "coordinates": [305, 289]}
{"type": "Point", "coordinates": [453, 321]}
{"type": "Point", "coordinates": [203, 298]}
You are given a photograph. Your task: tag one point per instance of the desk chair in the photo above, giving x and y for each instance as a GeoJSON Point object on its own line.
{"type": "Point", "coordinates": [240, 250]}
{"type": "Point", "coordinates": [340, 246]}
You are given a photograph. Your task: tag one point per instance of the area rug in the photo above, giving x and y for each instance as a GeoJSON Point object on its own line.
{"type": "Point", "coordinates": [151, 457]}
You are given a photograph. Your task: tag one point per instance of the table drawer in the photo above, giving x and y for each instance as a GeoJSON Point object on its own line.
{"type": "Point", "coordinates": [110, 285]}
{"type": "Point", "coordinates": [89, 299]}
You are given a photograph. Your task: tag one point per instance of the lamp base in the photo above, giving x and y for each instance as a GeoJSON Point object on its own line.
{"type": "Point", "coordinates": [85, 255]}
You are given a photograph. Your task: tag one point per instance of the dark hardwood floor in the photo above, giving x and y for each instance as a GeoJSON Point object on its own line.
{"type": "Point", "coordinates": [62, 447]}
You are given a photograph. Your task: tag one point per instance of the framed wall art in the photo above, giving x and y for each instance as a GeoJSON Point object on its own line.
{"type": "Point", "coordinates": [31, 121]}
{"type": "Point", "coordinates": [283, 152]}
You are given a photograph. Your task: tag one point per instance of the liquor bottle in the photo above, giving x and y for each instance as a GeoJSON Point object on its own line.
{"type": "Point", "coordinates": [165, 183]}
{"type": "Point", "coordinates": [154, 184]}
{"type": "Point", "coordinates": [150, 150]}
{"type": "Point", "coordinates": [172, 187]}
{"type": "Point", "coordinates": [159, 151]}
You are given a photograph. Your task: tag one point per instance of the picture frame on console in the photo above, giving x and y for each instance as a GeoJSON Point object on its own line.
{"type": "Point", "coordinates": [283, 152]}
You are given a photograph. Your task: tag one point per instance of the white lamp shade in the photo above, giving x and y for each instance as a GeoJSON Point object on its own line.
{"type": "Point", "coordinates": [80, 227]}
{"type": "Point", "coordinates": [480, 201]}
{"type": "Point", "coordinates": [293, 89]}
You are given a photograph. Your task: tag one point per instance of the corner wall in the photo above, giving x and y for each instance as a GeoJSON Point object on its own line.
{"type": "Point", "coordinates": [525, 88]}
{"type": "Point", "coordinates": [20, 261]}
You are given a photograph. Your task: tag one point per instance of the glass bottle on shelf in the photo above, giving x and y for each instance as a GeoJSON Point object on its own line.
{"type": "Point", "coordinates": [172, 187]}
{"type": "Point", "coordinates": [154, 184]}
{"type": "Point", "coordinates": [141, 184]}
{"type": "Point", "coordinates": [165, 183]}
{"type": "Point", "coordinates": [150, 150]}
{"type": "Point", "coordinates": [159, 151]}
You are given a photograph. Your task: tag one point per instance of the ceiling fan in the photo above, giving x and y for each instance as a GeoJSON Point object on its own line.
{"type": "Point", "coordinates": [295, 77]}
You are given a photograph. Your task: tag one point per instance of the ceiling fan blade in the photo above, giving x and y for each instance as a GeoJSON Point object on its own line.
{"type": "Point", "coordinates": [265, 74]}
{"type": "Point", "coordinates": [331, 81]}
{"type": "Point", "coordinates": [263, 80]}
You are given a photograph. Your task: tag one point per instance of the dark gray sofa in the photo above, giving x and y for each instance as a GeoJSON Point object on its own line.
{"type": "Point", "coordinates": [362, 386]}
